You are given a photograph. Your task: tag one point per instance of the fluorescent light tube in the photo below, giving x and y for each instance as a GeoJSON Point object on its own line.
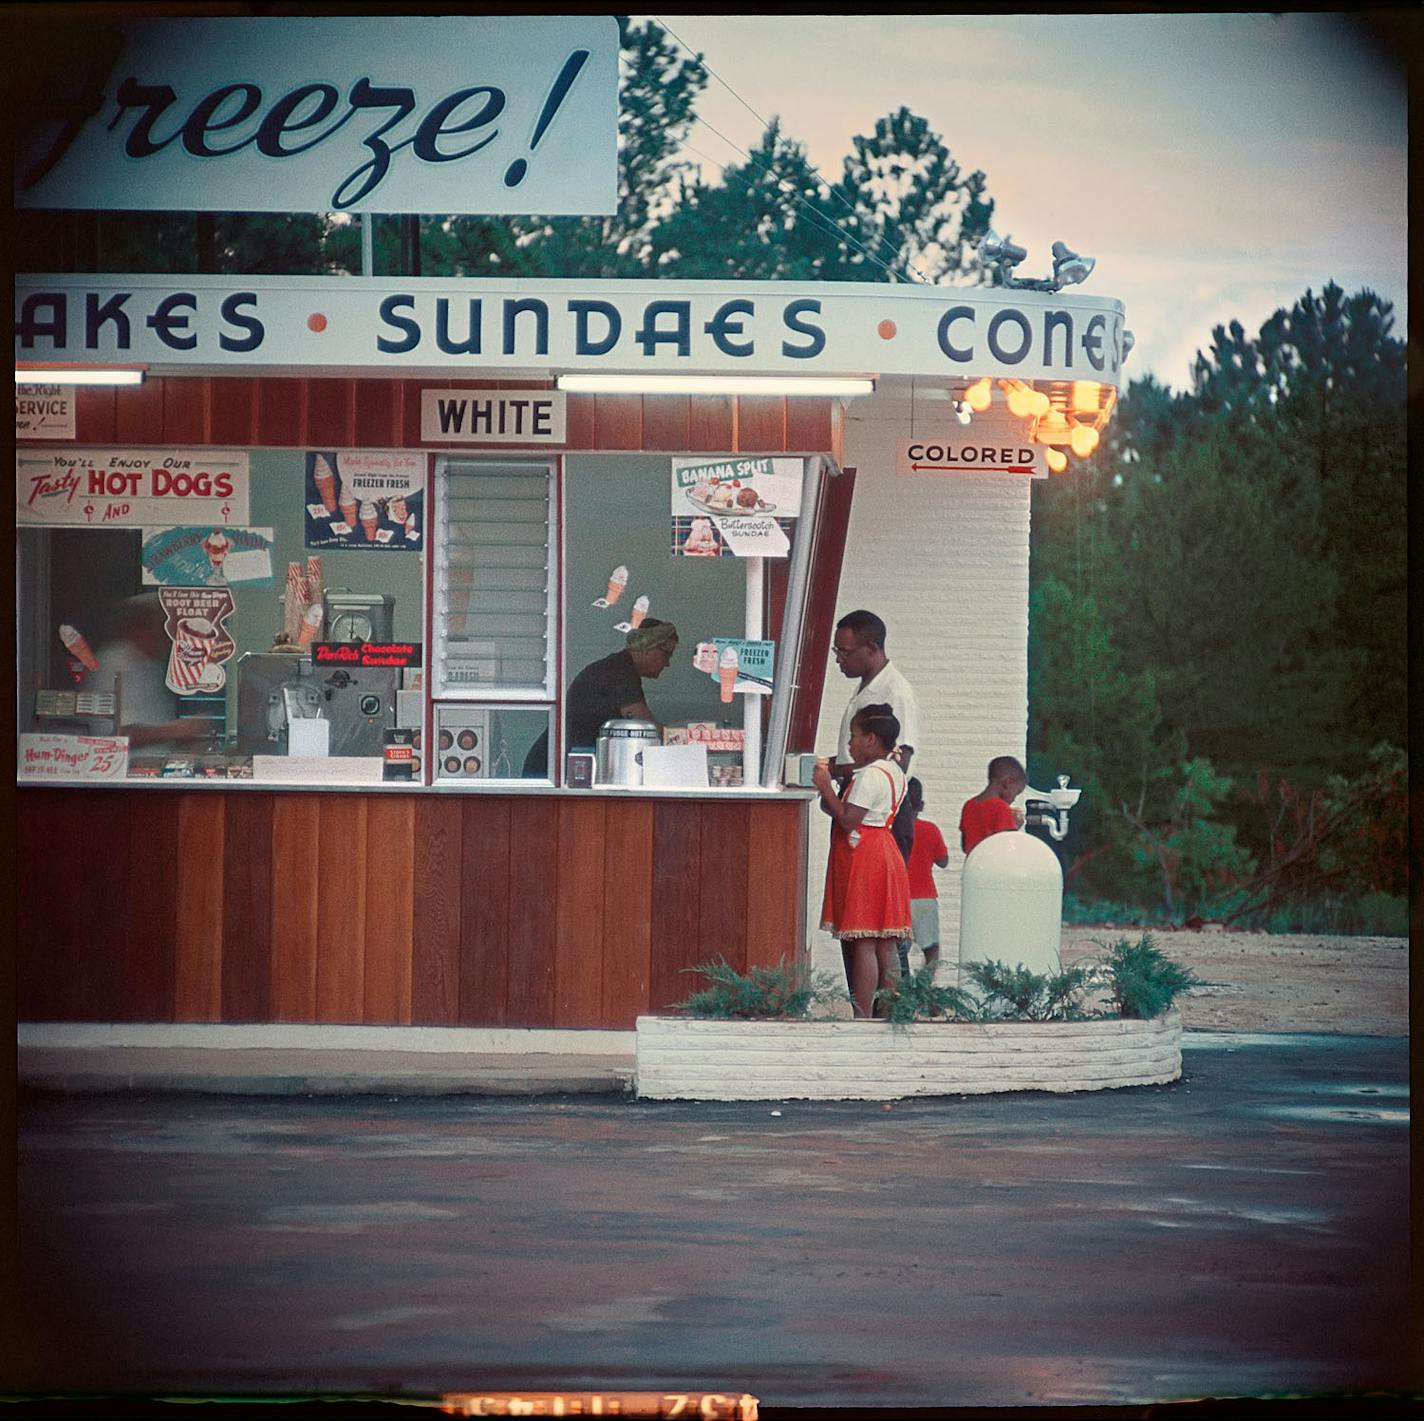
{"type": "Point", "coordinates": [79, 375]}
{"type": "Point", "coordinates": [653, 384]}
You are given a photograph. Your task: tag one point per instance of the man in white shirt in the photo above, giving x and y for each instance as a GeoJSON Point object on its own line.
{"type": "Point", "coordinates": [860, 653]}
{"type": "Point", "coordinates": [859, 647]}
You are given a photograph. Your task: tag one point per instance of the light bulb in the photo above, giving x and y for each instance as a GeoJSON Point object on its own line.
{"type": "Point", "coordinates": [1056, 459]}
{"type": "Point", "coordinates": [1037, 402]}
{"type": "Point", "coordinates": [1083, 440]}
{"type": "Point", "coordinates": [980, 395]}
{"type": "Point", "coordinates": [1019, 402]}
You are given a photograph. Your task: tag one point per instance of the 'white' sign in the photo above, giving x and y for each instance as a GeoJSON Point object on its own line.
{"type": "Point", "coordinates": [449, 113]}
{"type": "Point", "coordinates": [492, 416]}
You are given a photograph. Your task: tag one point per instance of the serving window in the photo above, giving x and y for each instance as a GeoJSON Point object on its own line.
{"type": "Point", "coordinates": [310, 616]}
{"type": "Point", "coordinates": [239, 614]}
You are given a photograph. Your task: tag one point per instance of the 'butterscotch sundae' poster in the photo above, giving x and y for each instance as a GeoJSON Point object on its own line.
{"type": "Point", "coordinates": [734, 507]}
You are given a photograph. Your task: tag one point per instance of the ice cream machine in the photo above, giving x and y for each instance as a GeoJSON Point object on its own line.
{"type": "Point", "coordinates": [276, 688]}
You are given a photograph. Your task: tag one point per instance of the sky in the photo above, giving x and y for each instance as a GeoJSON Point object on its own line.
{"type": "Point", "coordinates": [1215, 165]}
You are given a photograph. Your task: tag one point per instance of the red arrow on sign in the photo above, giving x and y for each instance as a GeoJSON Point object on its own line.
{"type": "Point", "coordinates": [977, 469]}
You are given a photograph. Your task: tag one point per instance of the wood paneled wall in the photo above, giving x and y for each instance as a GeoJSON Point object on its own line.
{"type": "Point", "coordinates": [315, 413]}
{"type": "Point", "coordinates": [394, 909]}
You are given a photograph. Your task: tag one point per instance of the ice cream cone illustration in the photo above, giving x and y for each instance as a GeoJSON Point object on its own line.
{"type": "Point", "coordinates": [617, 582]}
{"type": "Point", "coordinates": [311, 625]}
{"type": "Point", "coordinates": [727, 665]}
{"type": "Point", "coordinates": [325, 478]}
{"type": "Point", "coordinates": [348, 508]}
{"type": "Point", "coordinates": [217, 545]}
{"type": "Point", "coordinates": [369, 519]}
{"type": "Point", "coordinates": [640, 610]}
{"type": "Point", "coordinates": [411, 531]}
{"type": "Point", "coordinates": [77, 647]}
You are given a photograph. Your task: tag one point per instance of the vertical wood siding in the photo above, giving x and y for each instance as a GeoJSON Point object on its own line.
{"type": "Point", "coordinates": [233, 411]}
{"type": "Point", "coordinates": [386, 909]}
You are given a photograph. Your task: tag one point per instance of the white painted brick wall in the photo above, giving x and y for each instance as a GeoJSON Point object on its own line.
{"type": "Point", "coordinates": [681, 1059]}
{"type": "Point", "coordinates": [943, 559]}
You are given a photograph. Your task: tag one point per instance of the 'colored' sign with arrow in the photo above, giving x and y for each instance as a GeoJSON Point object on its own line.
{"type": "Point", "coordinates": [963, 453]}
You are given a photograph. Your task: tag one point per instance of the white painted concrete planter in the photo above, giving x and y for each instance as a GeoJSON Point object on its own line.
{"type": "Point", "coordinates": [679, 1058]}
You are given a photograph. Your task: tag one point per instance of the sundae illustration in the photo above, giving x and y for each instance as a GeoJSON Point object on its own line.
{"type": "Point", "coordinates": [702, 541]}
{"type": "Point", "coordinates": [734, 498]}
{"type": "Point", "coordinates": [217, 546]}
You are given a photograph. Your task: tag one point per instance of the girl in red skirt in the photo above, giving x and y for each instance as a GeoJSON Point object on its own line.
{"type": "Point", "coordinates": [867, 903]}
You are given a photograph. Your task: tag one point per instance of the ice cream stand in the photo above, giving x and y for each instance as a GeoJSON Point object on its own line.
{"type": "Point", "coordinates": [382, 522]}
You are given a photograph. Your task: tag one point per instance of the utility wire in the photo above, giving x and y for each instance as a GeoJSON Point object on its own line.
{"type": "Point", "coordinates": [827, 224]}
{"type": "Point", "coordinates": [765, 123]}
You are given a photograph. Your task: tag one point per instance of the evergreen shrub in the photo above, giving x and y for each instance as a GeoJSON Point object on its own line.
{"type": "Point", "coordinates": [781, 993]}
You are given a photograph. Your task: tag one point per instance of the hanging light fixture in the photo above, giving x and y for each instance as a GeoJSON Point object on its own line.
{"type": "Point", "coordinates": [1056, 459]}
{"type": "Point", "coordinates": [1083, 440]}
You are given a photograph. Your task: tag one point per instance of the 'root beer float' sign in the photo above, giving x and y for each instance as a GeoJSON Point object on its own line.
{"type": "Point", "coordinates": [193, 619]}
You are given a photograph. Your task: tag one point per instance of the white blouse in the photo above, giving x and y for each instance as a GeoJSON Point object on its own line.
{"type": "Point", "coordinates": [877, 788]}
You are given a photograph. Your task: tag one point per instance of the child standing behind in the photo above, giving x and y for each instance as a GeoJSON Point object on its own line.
{"type": "Point", "coordinates": [990, 811]}
{"type": "Point", "coordinates": [929, 853]}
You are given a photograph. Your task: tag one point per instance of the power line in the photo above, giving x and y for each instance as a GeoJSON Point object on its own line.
{"type": "Point", "coordinates": [833, 190]}
{"type": "Point", "coordinates": [827, 224]}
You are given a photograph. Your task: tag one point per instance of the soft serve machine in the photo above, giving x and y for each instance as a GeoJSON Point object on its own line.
{"type": "Point", "coordinates": [275, 688]}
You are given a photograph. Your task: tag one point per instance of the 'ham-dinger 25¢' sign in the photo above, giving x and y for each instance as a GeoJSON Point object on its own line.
{"type": "Point", "coordinates": [449, 114]}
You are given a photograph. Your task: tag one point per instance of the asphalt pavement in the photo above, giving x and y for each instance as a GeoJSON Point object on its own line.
{"type": "Point", "coordinates": [1242, 1232]}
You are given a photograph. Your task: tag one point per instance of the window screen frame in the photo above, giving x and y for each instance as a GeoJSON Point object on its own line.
{"type": "Point", "coordinates": [495, 692]}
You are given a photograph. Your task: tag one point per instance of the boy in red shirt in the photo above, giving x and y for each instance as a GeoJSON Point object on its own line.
{"type": "Point", "coordinates": [928, 853]}
{"type": "Point", "coordinates": [990, 811]}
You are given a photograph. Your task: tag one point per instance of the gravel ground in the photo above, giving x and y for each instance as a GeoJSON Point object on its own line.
{"type": "Point", "coordinates": [1349, 986]}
